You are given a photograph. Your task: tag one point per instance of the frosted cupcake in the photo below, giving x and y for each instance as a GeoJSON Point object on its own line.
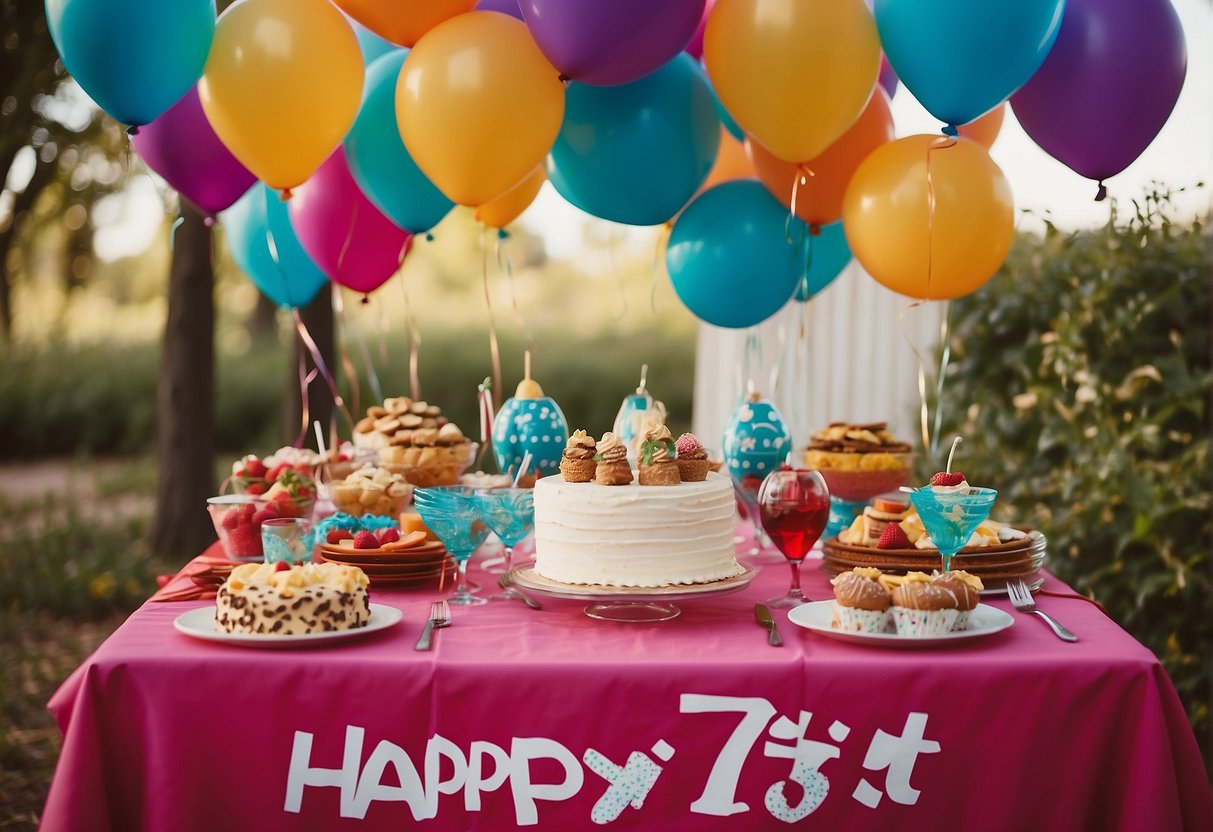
{"type": "Point", "coordinates": [657, 458]}
{"type": "Point", "coordinates": [612, 458]}
{"type": "Point", "coordinates": [861, 603]}
{"type": "Point", "coordinates": [967, 589]}
{"type": "Point", "coordinates": [577, 463]}
{"type": "Point", "coordinates": [921, 609]}
{"type": "Point", "coordinates": [693, 465]}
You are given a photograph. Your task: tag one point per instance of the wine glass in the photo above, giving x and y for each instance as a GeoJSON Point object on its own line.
{"type": "Point", "coordinates": [747, 489]}
{"type": "Point", "coordinates": [794, 506]}
{"type": "Point", "coordinates": [450, 513]}
{"type": "Point", "coordinates": [951, 517]}
{"type": "Point", "coordinates": [510, 512]}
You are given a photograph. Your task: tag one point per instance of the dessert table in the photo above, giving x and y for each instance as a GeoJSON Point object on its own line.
{"type": "Point", "coordinates": [551, 720]}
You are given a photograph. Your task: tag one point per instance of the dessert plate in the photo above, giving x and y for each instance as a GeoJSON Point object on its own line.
{"type": "Point", "coordinates": [816, 616]}
{"type": "Point", "coordinates": [200, 624]}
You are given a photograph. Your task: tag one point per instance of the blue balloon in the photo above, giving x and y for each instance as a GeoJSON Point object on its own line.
{"type": "Point", "coordinates": [725, 118]}
{"type": "Point", "coordinates": [730, 258]}
{"type": "Point", "coordinates": [963, 59]}
{"type": "Point", "coordinates": [381, 165]}
{"type": "Point", "coordinates": [373, 47]}
{"type": "Point", "coordinates": [826, 254]}
{"type": "Point", "coordinates": [135, 58]}
{"type": "Point", "coordinates": [636, 153]}
{"type": "Point", "coordinates": [285, 275]}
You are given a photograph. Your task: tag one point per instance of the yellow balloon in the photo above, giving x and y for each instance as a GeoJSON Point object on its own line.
{"type": "Point", "coordinates": [282, 85]}
{"type": "Point", "coordinates": [945, 253]}
{"type": "Point", "coordinates": [478, 106]}
{"type": "Point", "coordinates": [505, 209]}
{"type": "Point", "coordinates": [403, 21]}
{"type": "Point", "coordinates": [794, 74]}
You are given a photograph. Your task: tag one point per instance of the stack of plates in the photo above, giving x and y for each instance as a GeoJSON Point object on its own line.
{"type": "Point", "coordinates": [995, 565]}
{"type": "Point", "coordinates": [427, 562]}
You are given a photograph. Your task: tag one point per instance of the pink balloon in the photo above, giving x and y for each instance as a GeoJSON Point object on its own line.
{"type": "Point", "coordinates": [695, 47]}
{"type": "Point", "coordinates": [343, 232]}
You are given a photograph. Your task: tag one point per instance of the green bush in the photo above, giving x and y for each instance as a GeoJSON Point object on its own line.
{"type": "Point", "coordinates": [1080, 381]}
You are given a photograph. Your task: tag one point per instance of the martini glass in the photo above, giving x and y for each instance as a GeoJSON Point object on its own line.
{"type": "Point", "coordinates": [450, 513]}
{"type": "Point", "coordinates": [510, 513]}
{"type": "Point", "coordinates": [950, 518]}
{"type": "Point", "coordinates": [795, 507]}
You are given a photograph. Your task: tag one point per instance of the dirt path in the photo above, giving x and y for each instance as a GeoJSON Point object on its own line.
{"type": "Point", "coordinates": [83, 482]}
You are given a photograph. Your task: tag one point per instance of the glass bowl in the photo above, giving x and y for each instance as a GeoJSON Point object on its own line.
{"type": "Point", "coordinates": [431, 466]}
{"type": "Point", "coordinates": [239, 534]}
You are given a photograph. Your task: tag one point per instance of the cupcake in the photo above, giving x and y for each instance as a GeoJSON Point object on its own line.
{"type": "Point", "coordinates": [658, 465]}
{"type": "Point", "coordinates": [861, 602]}
{"type": "Point", "coordinates": [612, 459]}
{"type": "Point", "coordinates": [693, 465]}
{"type": "Point", "coordinates": [967, 589]}
{"type": "Point", "coordinates": [922, 609]}
{"type": "Point", "coordinates": [577, 464]}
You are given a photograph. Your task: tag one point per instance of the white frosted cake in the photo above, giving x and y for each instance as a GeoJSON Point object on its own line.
{"type": "Point", "coordinates": [635, 535]}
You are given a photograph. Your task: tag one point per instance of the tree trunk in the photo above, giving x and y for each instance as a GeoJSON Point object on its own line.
{"type": "Point", "coordinates": [264, 320]}
{"type": "Point", "coordinates": [184, 412]}
{"type": "Point", "coordinates": [317, 316]}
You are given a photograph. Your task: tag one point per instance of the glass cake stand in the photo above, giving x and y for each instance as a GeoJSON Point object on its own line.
{"type": "Point", "coordinates": [628, 604]}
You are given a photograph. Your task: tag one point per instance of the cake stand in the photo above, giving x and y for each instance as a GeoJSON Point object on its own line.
{"type": "Point", "coordinates": [629, 604]}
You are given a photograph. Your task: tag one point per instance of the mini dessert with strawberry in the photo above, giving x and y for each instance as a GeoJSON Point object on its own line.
{"type": "Point", "coordinates": [693, 464]}
{"type": "Point", "coordinates": [658, 464]}
{"type": "Point", "coordinates": [577, 463]}
{"type": "Point", "coordinates": [861, 602]}
{"type": "Point", "coordinates": [612, 458]}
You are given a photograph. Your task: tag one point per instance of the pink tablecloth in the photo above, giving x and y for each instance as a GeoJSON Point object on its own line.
{"type": "Point", "coordinates": [552, 721]}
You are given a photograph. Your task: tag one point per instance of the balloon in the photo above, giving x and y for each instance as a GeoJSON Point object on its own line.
{"type": "Point", "coordinates": [505, 209]}
{"type": "Point", "coordinates": [381, 165]}
{"type": "Point", "coordinates": [888, 76]}
{"type": "Point", "coordinates": [182, 147]}
{"type": "Point", "coordinates": [509, 7]}
{"type": "Point", "coordinates": [284, 274]}
{"type": "Point", "coordinates": [727, 120]}
{"type": "Point", "coordinates": [985, 129]}
{"type": "Point", "coordinates": [731, 162]}
{"type": "Point", "coordinates": [610, 42]}
{"type": "Point", "coordinates": [637, 153]}
{"type": "Point", "coordinates": [729, 259]}
{"type": "Point", "coordinates": [134, 58]}
{"type": "Point", "coordinates": [372, 46]}
{"type": "Point", "coordinates": [828, 254]}
{"type": "Point", "coordinates": [962, 60]}
{"type": "Point", "coordinates": [1107, 87]}
{"type": "Point", "coordinates": [478, 106]}
{"type": "Point", "coordinates": [282, 85]}
{"type": "Point", "coordinates": [897, 239]}
{"type": "Point", "coordinates": [343, 231]}
{"type": "Point", "coordinates": [403, 21]}
{"type": "Point", "coordinates": [695, 47]}
{"type": "Point", "coordinates": [795, 75]}
{"type": "Point", "coordinates": [819, 196]}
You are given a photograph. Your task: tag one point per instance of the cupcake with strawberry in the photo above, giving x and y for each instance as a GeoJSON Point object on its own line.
{"type": "Point", "coordinates": [692, 460]}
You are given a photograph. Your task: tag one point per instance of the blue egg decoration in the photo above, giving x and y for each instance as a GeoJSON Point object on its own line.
{"type": "Point", "coordinates": [756, 440]}
{"type": "Point", "coordinates": [530, 421]}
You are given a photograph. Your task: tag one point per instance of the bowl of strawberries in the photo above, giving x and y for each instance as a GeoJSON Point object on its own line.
{"type": "Point", "coordinates": [262, 493]}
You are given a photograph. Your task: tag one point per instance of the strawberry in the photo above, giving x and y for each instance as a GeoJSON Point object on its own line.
{"type": "Point", "coordinates": [285, 506]}
{"type": "Point", "coordinates": [336, 535]}
{"type": "Point", "coordinates": [389, 536]}
{"type": "Point", "coordinates": [254, 468]}
{"type": "Point", "coordinates": [255, 488]}
{"type": "Point", "coordinates": [894, 538]}
{"type": "Point", "coordinates": [282, 566]}
{"type": "Point", "coordinates": [267, 512]}
{"type": "Point", "coordinates": [273, 474]}
{"type": "Point", "coordinates": [366, 540]}
{"type": "Point", "coordinates": [246, 513]}
{"type": "Point", "coordinates": [231, 519]}
{"type": "Point", "coordinates": [944, 478]}
{"type": "Point", "coordinates": [243, 541]}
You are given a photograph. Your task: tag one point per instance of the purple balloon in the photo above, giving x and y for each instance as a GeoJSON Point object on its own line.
{"type": "Point", "coordinates": [342, 230]}
{"type": "Point", "coordinates": [1107, 87]}
{"type": "Point", "coordinates": [888, 76]}
{"type": "Point", "coordinates": [182, 147]}
{"type": "Point", "coordinates": [606, 43]}
{"type": "Point", "coordinates": [695, 47]}
{"type": "Point", "coordinates": [509, 7]}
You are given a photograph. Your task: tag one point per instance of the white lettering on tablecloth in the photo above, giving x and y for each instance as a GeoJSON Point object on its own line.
{"type": "Point", "coordinates": [628, 785]}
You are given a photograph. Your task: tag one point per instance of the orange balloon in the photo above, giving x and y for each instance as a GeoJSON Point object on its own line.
{"type": "Point", "coordinates": [819, 196]}
{"type": "Point", "coordinates": [731, 162]}
{"type": "Point", "coordinates": [403, 21]}
{"type": "Point", "coordinates": [913, 250]}
{"type": "Point", "coordinates": [984, 129]}
{"type": "Point", "coordinates": [478, 106]}
{"type": "Point", "coordinates": [505, 209]}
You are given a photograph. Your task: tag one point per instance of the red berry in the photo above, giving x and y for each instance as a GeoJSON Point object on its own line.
{"type": "Point", "coordinates": [894, 538]}
{"type": "Point", "coordinates": [246, 513]}
{"type": "Point", "coordinates": [231, 518]}
{"type": "Point", "coordinates": [255, 488]}
{"type": "Point", "coordinates": [287, 508]}
{"type": "Point", "coordinates": [254, 467]}
{"type": "Point", "coordinates": [366, 540]}
{"type": "Point", "coordinates": [389, 536]}
{"type": "Point", "coordinates": [944, 478]}
{"type": "Point", "coordinates": [243, 541]}
{"type": "Point", "coordinates": [335, 536]}
{"type": "Point", "coordinates": [274, 473]}
{"type": "Point", "coordinates": [281, 566]}
{"type": "Point", "coordinates": [262, 515]}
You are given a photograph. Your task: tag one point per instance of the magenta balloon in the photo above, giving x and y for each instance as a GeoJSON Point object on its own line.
{"type": "Point", "coordinates": [695, 47]}
{"type": "Point", "coordinates": [182, 147]}
{"type": "Point", "coordinates": [1107, 87]}
{"type": "Point", "coordinates": [342, 230]}
{"type": "Point", "coordinates": [606, 43]}
{"type": "Point", "coordinates": [509, 7]}
{"type": "Point", "coordinates": [888, 76]}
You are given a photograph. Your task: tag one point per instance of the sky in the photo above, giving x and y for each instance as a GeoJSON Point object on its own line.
{"type": "Point", "coordinates": [1181, 155]}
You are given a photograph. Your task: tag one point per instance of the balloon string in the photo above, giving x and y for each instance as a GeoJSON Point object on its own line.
{"type": "Point", "coordinates": [507, 265]}
{"type": "Point", "coordinates": [347, 362]}
{"type": "Point", "coordinates": [321, 366]}
{"type": "Point", "coordinates": [349, 236]}
{"type": "Point", "coordinates": [803, 292]}
{"type": "Point", "coordinates": [305, 381]}
{"type": "Point", "coordinates": [494, 347]}
{"type": "Point", "coordinates": [484, 399]}
{"type": "Point", "coordinates": [802, 178]}
{"type": "Point", "coordinates": [777, 368]}
{"type": "Point", "coordinates": [945, 358]}
{"type": "Point", "coordinates": [371, 375]}
{"type": "Point", "coordinates": [414, 344]}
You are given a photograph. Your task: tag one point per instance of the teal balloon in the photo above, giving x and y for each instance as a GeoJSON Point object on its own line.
{"type": "Point", "coordinates": [284, 274]}
{"type": "Point", "coordinates": [825, 255]}
{"type": "Point", "coordinates": [373, 47]}
{"type": "Point", "coordinates": [636, 153]}
{"type": "Point", "coordinates": [381, 165]}
{"type": "Point", "coordinates": [135, 58]}
{"type": "Point", "coordinates": [963, 59]}
{"type": "Point", "coordinates": [730, 258]}
{"type": "Point", "coordinates": [536, 426]}
{"type": "Point", "coordinates": [727, 120]}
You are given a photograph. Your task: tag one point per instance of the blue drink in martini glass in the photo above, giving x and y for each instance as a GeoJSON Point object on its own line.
{"type": "Point", "coordinates": [950, 516]}
{"type": "Point", "coordinates": [450, 513]}
{"type": "Point", "coordinates": [510, 513]}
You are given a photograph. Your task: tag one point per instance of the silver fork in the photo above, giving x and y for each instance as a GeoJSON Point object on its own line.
{"type": "Point", "coordinates": [1022, 598]}
{"type": "Point", "coordinates": [440, 616]}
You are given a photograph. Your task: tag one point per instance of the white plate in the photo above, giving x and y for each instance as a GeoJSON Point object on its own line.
{"type": "Point", "coordinates": [816, 616]}
{"type": "Point", "coordinates": [201, 624]}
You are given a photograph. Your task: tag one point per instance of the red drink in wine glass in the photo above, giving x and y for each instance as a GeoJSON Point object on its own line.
{"type": "Point", "coordinates": [795, 508]}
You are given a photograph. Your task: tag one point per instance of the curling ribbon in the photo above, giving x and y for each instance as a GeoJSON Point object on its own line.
{"type": "Point", "coordinates": [663, 242]}
{"type": "Point", "coordinates": [484, 399]}
{"type": "Point", "coordinates": [347, 363]}
{"type": "Point", "coordinates": [321, 366]}
{"type": "Point", "coordinates": [494, 347]}
{"type": "Point", "coordinates": [802, 178]}
{"type": "Point", "coordinates": [305, 381]}
{"type": "Point", "coordinates": [507, 265]}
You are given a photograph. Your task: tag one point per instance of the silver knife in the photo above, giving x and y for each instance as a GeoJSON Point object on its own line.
{"type": "Point", "coordinates": [763, 615]}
